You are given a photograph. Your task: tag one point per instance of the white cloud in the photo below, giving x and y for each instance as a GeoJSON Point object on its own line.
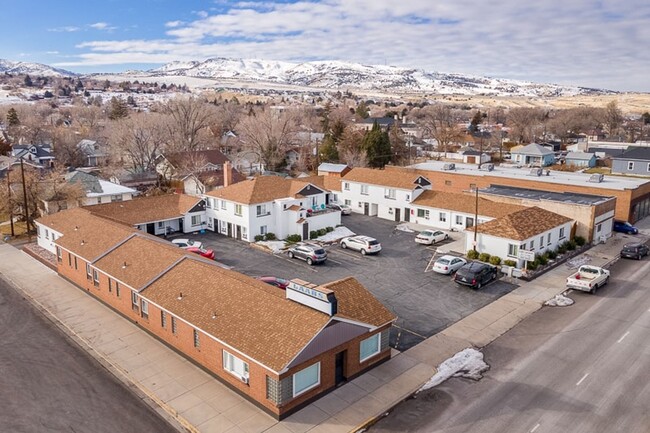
{"type": "Point", "coordinates": [102, 26]}
{"type": "Point", "coordinates": [67, 29]}
{"type": "Point", "coordinates": [595, 43]}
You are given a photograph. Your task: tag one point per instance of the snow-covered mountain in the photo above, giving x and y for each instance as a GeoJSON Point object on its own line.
{"type": "Point", "coordinates": [36, 69]}
{"type": "Point", "coordinates": [343, 75]}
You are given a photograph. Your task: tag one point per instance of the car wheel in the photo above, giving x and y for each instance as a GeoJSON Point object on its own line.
{"type": "Point", "coordinates": [593, 290]}
{"type": "Point", "coordinates": [344, 245]}
{"type": "Point", "coordinates": [290, 255]}
{"type": "Point", "coordinates": [446, 237]}
{"type": "Point", "coordinates": [479, 285]}
{"type": "Point", "coordinates": [638, 257]}
{"type": "Point", "coordinates": [363, 252]}
{"type": "Point", "coordinates": [310, 261]}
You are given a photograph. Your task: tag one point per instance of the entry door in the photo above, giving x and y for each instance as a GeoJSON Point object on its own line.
{"type": "Point", "coordinates": [397, 214]}
{"type": "Point", "coordinates": [469, 222]}
{"type": "Point", "coordinates": [339, 373]}
{"type": "Point", "coordinates": [151, 228]}
{"type": "Point", "coordinates": [305, 231]}
{"type": "Point", "coordinates": [229, 230]}
{"type": "Point", "coordinates": [238, 233]}
{"type": "Point", "coordinates": [366, 208]}
{"type": "Point", "coordinates": [407, 214]}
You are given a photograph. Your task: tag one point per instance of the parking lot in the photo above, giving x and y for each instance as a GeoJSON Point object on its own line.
{"type": "Point", "coordinates": [425, 303]}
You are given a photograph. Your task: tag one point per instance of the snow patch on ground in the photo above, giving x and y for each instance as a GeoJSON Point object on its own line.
{"type": "Point", "coordinates": [333, 236]}
{"type": "Point", "coordinates": [404, 228]}
{"type": "Point", "coordinates": [274, 246]}
{"type": "Point", "coordinates": [468, 363]}
{"type": "Point", "coordinates": [559, 301]}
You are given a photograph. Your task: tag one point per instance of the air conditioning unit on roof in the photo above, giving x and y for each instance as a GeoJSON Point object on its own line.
{"type": "Point", "coordinates": [536, 172]}
{"type": "Point", "coordinates": [449, 166]}
{"type": "Point", "coordinates": [487, 167]}
{"type": "Point", "coordinates": [596, 177]}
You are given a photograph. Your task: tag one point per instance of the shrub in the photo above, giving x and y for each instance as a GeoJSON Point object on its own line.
{"type": "Point", "coordinates": [259, 238]}
{"type": "Point", "coordinates": [551, 255]}
{"type": "Point", "coordinates": [510, 263]}
{"type": "Point", "coordinates": [484, 257]}
{"type": "Point", "coordinates": [495, 260]}
{"type": "Point", "coordinates": [313, 234]}
{"type": "Point", "coordinates": [472, 254]}
{"type": "Point", "coordinates": [579, 240]}
{"type": "Point", "coordinates": [561, 249]}
{"type": "Point", "coordinates": [329, 229]}
{"type": "Point", "coordinates": [532, 265]}
{"type": "Point", "coordinates": [541, 259]}
{"type": "Point", "coordinates": [571, 245]}
{"type": "Point", "coordinates": [293, 238]}
{"type": "Point", "coordinates": [322, 232]}
{"type": "Point", "coordinates": [270, 237]}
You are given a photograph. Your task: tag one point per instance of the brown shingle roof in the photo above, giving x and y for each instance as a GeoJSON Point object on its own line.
{"type": "Point", "coordinates": [212, 156]}
{"type": "Point", "coordinates": [214, 178]}
{"type": "Point", "coordinates": [465, 203]}
{"type": "Point", "coordinates": [395, 177]}
{"type": "Point", "coordinates": [330, 183]}
{"type": "Point", "coordinates": [251, 316]}
{"type": "Point", "coordinates": [523, 224]}
{"type": "Point", "coordinates": [146, 209]}
{"type": "Point", "coordinates": [355, 302]}
{"type": "Point", "coordinates": [261, 189]}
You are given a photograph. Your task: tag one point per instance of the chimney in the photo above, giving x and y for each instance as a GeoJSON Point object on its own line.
{"type": "Point", "coordinates": [227, 174]}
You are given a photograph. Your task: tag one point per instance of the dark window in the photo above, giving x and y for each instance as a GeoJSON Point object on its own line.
{"type": "Point", "coordinates": [173, 325]}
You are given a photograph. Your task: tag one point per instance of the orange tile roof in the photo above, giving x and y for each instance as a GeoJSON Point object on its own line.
{"type": "Point", "coordinates": [146, 209]}
{"type": "Point", "coordinates": [395, 177]}
{"type": "Point", "coordinates": [261, 189]}
{"type": "Point", "coordinates": [355, 302]}
{"type": "Point", "coordinates": [523, 224]}
{"type": "Point", "coordinates": [466, 203]}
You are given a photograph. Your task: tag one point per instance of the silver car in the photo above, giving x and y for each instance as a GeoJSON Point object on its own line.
{"type": "Point", "coordinates": [448, 264]}
{"type": "Point", "coordinates": [364, 244]}
{"type": "Point", "coordinates": [311, 253]}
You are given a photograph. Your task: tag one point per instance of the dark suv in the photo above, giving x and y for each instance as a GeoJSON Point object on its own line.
{"type": "Point", "coordinates": [475, 274]}
{"type": "Point", "coordinates": [634, 250]}
{"type": "Point", "coordinates": [311, 253]}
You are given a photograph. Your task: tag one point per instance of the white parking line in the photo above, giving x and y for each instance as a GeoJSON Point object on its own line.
{"type": "Point", "coordinates": [623, 337]}
{"type": "Point", "coordinates": [535, 428]}
{"type": "Point", "coordinates": [583, 378]}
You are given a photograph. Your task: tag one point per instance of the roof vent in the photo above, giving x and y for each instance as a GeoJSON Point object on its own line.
{"type": "Point", "coordinates": [449, 166]}
{"type": "Point", "coordinates": [83, 242]}
{"type": "Point", "coordinates": [214, 315]}
{"type": "Point", "coordinates": [180, 296]}
{"type": "Point", "coordinates": [596, 178]}
{"type": "Point", "coordinates": [124, 265]}
{"type": "Point", "coordinates": [536, 172]}
{"type": "Point", "coordinates": [76, 228]}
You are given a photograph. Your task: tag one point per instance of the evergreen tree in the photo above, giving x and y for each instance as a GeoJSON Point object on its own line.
{"type": "Point", "coordinates": [5, 147]}
{"type": "Point", "coordinates": [646, 118]}
{"type": "Point", "coordinates": [12, 117]}
{"type": "Point", "coordinates": [376, 143]}
{"type": "Point", "coordinates": [163, 87]}
{"type": "Point", "coordinates": [118, 109]}
{"type": "Point", "coordinates": [476, 121]}
{"type": "Point", "coordinates": [327, 150]}
{"type": "Point", "coordinates": [28, 81]}
{"type": "Point", "coordinates": [362, 110]}
{"type": "Point", "coordinates": [131, 101]}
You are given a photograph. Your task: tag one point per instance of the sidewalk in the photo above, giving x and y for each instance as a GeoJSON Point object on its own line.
{"type": "Point", "coordinates": [191, 398]}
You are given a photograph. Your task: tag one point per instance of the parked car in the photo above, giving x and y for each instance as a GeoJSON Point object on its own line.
{"type": "Point", "coordinates": [635, 250]}
{"type": "Point", "coordinates": [588, 279]}
{"type": "Point", "coordinates": [448, 264]}
{"type": "Point", "coordinates": [311, 253]}
{"type": "Point", "coordinates": [430, 237]}
{"type": "Point", "coordinates": [208, 254]}
{"type": "Point", "coordinates": [475, 274]}
{"type": "Point", "coordinates": [275, 281]}
{"type": "Point", "coordinates": [344, 208]}
{"type": "Point", "coordinates": [625, 227]}
{"type": "Point", "coordinates": [186, 243]}
{"type": "Point", "coordinates": [364, 244]}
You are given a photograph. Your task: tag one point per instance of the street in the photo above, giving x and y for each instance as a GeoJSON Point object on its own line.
{"type": "Point", "coordinates": [49, 384]}
{"type": "Point", "coordinates": [583, 368]}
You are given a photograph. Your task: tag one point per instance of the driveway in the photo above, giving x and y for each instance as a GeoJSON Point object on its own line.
{"type": "Point", "coordinates": [425, 302]}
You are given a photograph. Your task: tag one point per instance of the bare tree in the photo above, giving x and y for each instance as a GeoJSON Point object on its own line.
{"type": "Point", "coordinates": [188, 126]}
{"type": "Point", "coordinates": [351, 151]}
{"type": "Point", "coordinates": [439, 122]}
{"type": "Point", "coordinates": [66, 151]}
{"type": "Point", "coordinates": [523, 122]}
{"type": "Point", "coordinates": [138, 140]}
{"type": "Point", "coordinates": [613, 118]}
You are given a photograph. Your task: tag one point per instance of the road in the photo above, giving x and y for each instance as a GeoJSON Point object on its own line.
{"type": "Point", "coordinates": [48, 384]}
{"type": "Point", "coordinates": [579, 369]}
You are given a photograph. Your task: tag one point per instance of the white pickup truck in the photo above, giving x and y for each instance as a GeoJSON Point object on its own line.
{"type": "Point", "coordinates": [588, 279]}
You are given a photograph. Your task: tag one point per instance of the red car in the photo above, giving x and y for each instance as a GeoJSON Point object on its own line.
{"type": "Point", "coordinates": [275, 281]}
{"type": "Point", "coordinates": [208, 254]}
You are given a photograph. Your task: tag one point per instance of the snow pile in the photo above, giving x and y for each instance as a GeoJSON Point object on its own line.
{"type": "Point", "coordinates": [274, 246]}
{"type": "Point", "coordinates": [338, 233]}
{"type": "Point", "coordinates": [468, 363]}
{"type": "Point", "coordinates": [559, 301]}
{"type": "Point", "coordinates": [404, 227]}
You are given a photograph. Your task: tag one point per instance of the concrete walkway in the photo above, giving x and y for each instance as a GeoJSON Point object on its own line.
{"type": "Point", "coordinates": [195, 400]}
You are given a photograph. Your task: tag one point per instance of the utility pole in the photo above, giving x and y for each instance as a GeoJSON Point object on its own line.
{"type": "Point", "coordinates": [11, 208]}
{"type": "Point", "coordinates": [476, 218]}
{"type": "Point", "coordinates": [22, 173]}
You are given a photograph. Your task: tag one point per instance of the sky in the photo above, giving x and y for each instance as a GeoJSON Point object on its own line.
{"type": "Point", "coordinates": [590, 43]}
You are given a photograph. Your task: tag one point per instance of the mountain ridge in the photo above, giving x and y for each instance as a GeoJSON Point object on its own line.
{"type": "Point", "coordinates": [30, 68]}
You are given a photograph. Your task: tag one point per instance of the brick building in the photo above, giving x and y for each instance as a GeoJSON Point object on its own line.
{"type": "Point", "coordinates": [281, 349]}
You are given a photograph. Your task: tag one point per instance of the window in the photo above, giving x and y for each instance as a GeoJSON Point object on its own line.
{"type": "Point", "coordinates": [238, 209]}
{"type": "Point", "coordinates": [69, 259]}
{"type": "Point", "coordinates": [263, 230]}
{"type": "Point", "coordinates": [244, 232]}
{"type": "Point", "coordinates": [598, 228]}
{"type": "Point", "coordinates": [208, 203]}
{"type": "Point", "coordinates": [197, 343]}
{"type": "Point", "coordinates": [116, 197]}
{"type": "Point", "coordinates": [472, 186]}
{"type": "Point", "coordinates": [306, 379]}
{"type": "Point", "coordinates": [110, 286]}
{"type": "Point", "coordinates": [364, 189]}
{"type": "Point", "coordinates": [95, 278]}
{"type": "Point", "coordinates": [196, 220]}
{"type": "Point", "coordinates": [99, 200]}
{"type": "Point", "coordinates": [562, 233]}
{"type": "Point", "coordinates": [89, 274]}
{"type": "Point", "coordinates": [223, 204]}
{"type": "Point", "coordinates": [649, 166]}
{"type": "Point", "coordinates": [261, 210]}
{"type": "Point", "coordinates": [174, 329]}
{"type": "Point", "coordinates": [513, 250]}
{"type": "Point", "coordinates": [459, 220]}
{"type": "Point", "coordinates": [144, 306]}
{"type": "Point", "coordinates": [448, 183]}
{"type": "Point", "coordinates": [117, 289]}
{"type": "Point", "coordinates": [134, 301]}
{"type": "Point", "coordinates": [59, 255]}
{"type": "Point", "coordinates": [348, 202]}
{"type": "Point", "coordinates": [423, 213]}
{"type": "Point", "coordinates": [408, 197]}
{"type": "Point", "coordinates": [532, 244]}
{"type": "Point", "coordinates": [75, 262]}
{"type": "Point", "coordinates": [346, 186]}
{"type": "Point", "coordinates": [541, 242]}
{"type": "Point", "coordinates": [47, 234]}
{"type": "Point", "coordinates": [389, 193]}
{"type": "Point", "coordinates": [163, 319]}
{"type": "Point", "coordinates": [442, 217]}
{"type": "Point", "coordinates": [234, 365]}
{"type": "Point", "coordinates": [548, 239]}
{"type": "Point", "coordinates": [630, 165]}
{"type": "Point", "coordinates": [369, 347]}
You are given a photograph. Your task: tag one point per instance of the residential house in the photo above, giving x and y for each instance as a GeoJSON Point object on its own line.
{"type": "Point", "coordinates": [387, 194]}
{"type": "Point", "coordinates": [41, 154]}
{"type": "Point", "coordinates": [329, 169]}
{"type": "Point", "coordinates": [95, 154]}
{"type": "Point", "coordinates": [174, 165]}
{"type": "Point", "coordinates": [269, 204]}
{"type": "Point", "coordinates": [581, 159]}
{"type": "Point", "coordinates": [533, 155]}
{"type": "Point", "coordinates": [141, 181]}
{"type": "Point", "coordinates": [205, 181]}
{"type": "Point", "coordinates": [634, 161]}
{"type": "Point", "coordinates": [471, 156]}
{"type": "Point", "coordinates": [530, 229]}
{"type": "Point", "coordinates": [385, 123]}
{"type": "Point", "coordinates": [280, 349]}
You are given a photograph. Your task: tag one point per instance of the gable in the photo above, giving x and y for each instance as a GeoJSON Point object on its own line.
{"type": "Point", "coordinates": [199, 207]}
{"type": "Point", "coordinates": [422, 181]}
{"type": "Point", "coordinates": [310, 190]}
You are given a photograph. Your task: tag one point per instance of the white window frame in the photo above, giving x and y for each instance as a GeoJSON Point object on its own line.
{"type": "Point", "coordinates": [364, 189]}
{"type": "Point", "coordinates": [630, 165]}
{"type": "Point", "coordinates": [229, 364]}
{"type": "Point", "coordinates": [346, 186]}
{"type": "Point", "coordinates": [513, 250]}
{"type": "Point", "coordinates": [261, 210]}
{"type": "Point", "coordinates": [562, 233]}
{"type": "Point", "coordinates": [238, 210]}
{"type": "Point", "coordinates": [389, 193]}
{"type": "Point", "coordinates": [160, 224]}
{"type": "Point", "coordinates": [459, 220]}
{"type": "Point", "coordinates": [223, 205]}
{"type": "Point", "coordinates": [369, 340]}
{"type": "Point", "coordinates": [310, 387]}
{"type": "Point", "coordinates": [144, 308]}
{"type": "Point", "coordinates": [548, 239]}
{"type": "Point", "coordinates": [96, 277]}
{"type": "Point", "coordinates": [194, 224]}
{"type": "Point", "coordinates": [197, 339]}
{"type": "Point", "coordinates": [442, 217]}
{"type": "Point", "coordinates": [264, 230]}
{"type": "Point", "coordinates": [244, 232]}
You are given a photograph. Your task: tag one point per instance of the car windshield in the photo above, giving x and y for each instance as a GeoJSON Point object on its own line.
{"type": "Point", "coordinates": [373, 242]}
{"type": "Point", "coordinates": [630, 248]}
{"type": "Point", "coordinates": [426, 233]}
{"type": "Point", "coordinates": [319, 251]}
{"type": "Point", "coordinates": [443, 261]}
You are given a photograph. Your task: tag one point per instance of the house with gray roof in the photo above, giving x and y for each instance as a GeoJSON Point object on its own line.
{"type": "Point", "coordinates": [533, 155]}
{"type": "Point", "coordinates": [581, 159]}
{"type": "Point", "coordinates": [40, 154]}
{"type": "Point", "coordinates": [635, 161]}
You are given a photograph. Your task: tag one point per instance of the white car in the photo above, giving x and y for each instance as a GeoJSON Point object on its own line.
{"type": "Point", "coordinates": [448, 264]}
{"type": "Point", "coordinates": [364, 244]}
{"type": "Point", "coordinates": [430, 237]}
{"type": "Point", "coordinates": [344, 208]}
{"type": "Point", "coordinates": [186, 243]}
